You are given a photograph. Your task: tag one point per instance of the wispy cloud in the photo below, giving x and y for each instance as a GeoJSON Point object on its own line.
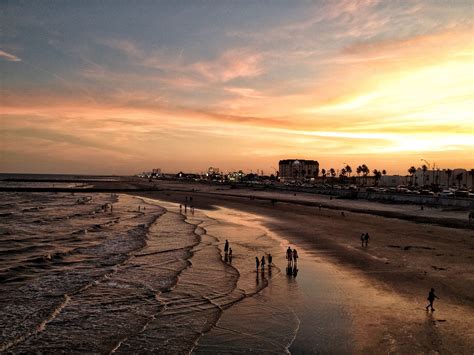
{"type": "Point", "coordinates": [9, 57]}
{"type": "Point", "coordinates": [232, 64]}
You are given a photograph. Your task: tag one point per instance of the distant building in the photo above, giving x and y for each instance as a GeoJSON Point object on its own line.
{"type": "Point", "coordinates": [298, 169]}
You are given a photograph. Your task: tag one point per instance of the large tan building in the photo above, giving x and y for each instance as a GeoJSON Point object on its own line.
{"type": "Point", "coordinates": [298, 169]}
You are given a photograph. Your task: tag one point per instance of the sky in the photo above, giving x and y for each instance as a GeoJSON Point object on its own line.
{"type": "Point", "coordinates": [120, 87]}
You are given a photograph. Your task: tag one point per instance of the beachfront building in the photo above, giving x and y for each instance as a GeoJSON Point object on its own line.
{"type": "Point", "coordinates": [444, 177]}
{"type": "Point", "coordinates": [298, 169]}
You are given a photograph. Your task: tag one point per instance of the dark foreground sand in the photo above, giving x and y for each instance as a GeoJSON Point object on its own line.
{"type": "Point", "coordinates": [389, 280]}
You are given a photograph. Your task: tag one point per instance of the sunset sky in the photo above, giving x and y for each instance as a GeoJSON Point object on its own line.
{"type": "Point", "coordinates": [119, 87]}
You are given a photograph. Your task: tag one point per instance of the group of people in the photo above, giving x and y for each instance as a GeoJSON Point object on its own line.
{"type": "Point", "coordinates": [261, 262]}
{"type": "Point", "coordinates": [364, 239]}
{"type": "Point", "coordinates": [227, 252]}
{"type": "Point", "coordinates": [188, 202]}
{"type": "Point", "coordinates": [291, 256]}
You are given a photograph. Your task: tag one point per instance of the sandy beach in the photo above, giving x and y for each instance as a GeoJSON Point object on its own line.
{"type": "Point", "coordinates": [382, 288]}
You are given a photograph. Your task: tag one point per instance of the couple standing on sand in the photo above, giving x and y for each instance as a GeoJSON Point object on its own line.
{"type": "Point", "coordinates": [261, 262]}
{"type": "Point", "coordinates": [291, 256]}
{"type": "Point", "coordinates": [364, 238]}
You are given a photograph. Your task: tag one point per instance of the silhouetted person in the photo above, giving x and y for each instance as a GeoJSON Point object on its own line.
{"type": "Point", "coordinates": [289, 255]}
{"type": "Point", "coordinates": [362, 238]}
{"type": "Point", "coordinates": [295, 256]}
{"type": "Point", "coordinates": [230, 255]}
{"type": "Point", "coordinates": [431, 298]}
{"type": "Point", "coordinates": [257, 262]}
{"type": "Point", "coordinates": [180, 208]}
{"type": "Point", "coordinates": [262, 262]}
{"type": "Point", "coordinates": [185, 208]}
{"type": "Point", "coordinates": [270, 259]}
{"type": "Point", "coordinates": [366, 239]}
{"type": "Point", "coordinates": [226, 246]}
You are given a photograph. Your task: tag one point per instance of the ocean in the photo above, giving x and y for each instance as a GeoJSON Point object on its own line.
{"type": "Point", "coordinates": [113, 273]}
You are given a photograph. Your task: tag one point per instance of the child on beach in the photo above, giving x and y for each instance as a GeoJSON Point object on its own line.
{"type": "Point", "coordinates": [431, 298]}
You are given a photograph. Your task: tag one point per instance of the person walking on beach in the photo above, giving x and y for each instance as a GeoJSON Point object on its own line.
{"type": "Point", "coordinates": [180, 208]}
{"type": "Point", "coordinates": [362, 238]}
{"type": "Point", "coordinates": [431, 298]}
{"type": "Point", "coordinates": [295, 256]}
{"type": "Point", "coordinates": [289, 255]}
{"type": "Point", "coordinates": [366, 239]}
{"type": "Point", "coordinates": [262, 262]}
{"type": "Point", "coordinates": [230, 254]}
{"type": "Point", "coordinates": [257, 262]}
{"type": "Point", "coordinates": [270, 259]}
{"type": "Point", "coordinates": [226, 246]}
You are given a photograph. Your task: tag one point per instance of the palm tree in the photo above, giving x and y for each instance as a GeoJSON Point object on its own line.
{"type": "Point", "coordinates": [365, 171]}
{"type": "Point", "coordinates": [384, 172]}
{"type": "Point", "coordinates": [332, 172]}
{"type": "Point", "coordinates": [425, 169]}
{"type": "Point", "coordinates": [377, 176]}
{"type": "Point", "coordinates": [323, 173]}
{"type": "Point", "coordinates": [342, 174]}
{"type": "Point", "coordinates": [359, 170]}
{"type": "Point", "coordinates": [449, 172]}
{"type": "Point", "coordinates": [412, 172]}
{"type": "Point", "coordinates": [349, 170]}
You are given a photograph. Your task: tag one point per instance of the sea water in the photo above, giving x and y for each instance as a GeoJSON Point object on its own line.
{"type": "Point", "coordinates": [144, 276]}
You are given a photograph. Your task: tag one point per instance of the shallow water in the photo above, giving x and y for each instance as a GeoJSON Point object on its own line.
{"type": "Point", "coordinates": [147, 278]}
{"type": "Point", "coordinates": [302, 310]}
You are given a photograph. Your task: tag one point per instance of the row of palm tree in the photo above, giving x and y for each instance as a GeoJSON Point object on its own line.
{"type": "Point", "coordinates": [346, 171]}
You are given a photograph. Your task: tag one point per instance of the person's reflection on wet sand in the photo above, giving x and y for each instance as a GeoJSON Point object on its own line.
{"type": "Point", "coordinates": [295, 271]}
{"type": "Point", "coordinates": [291, 271]}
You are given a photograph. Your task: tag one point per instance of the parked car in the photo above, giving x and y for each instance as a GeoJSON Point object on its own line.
{"type": "Point", "coordinates": [461, 193]}
{"type": "Point", "coordinates": [446, 193]}
{"type": "Point", "coordinates": [426, 192]}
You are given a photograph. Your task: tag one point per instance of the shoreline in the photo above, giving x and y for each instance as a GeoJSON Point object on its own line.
{"type": "Point", "coordinates": [448, 216]}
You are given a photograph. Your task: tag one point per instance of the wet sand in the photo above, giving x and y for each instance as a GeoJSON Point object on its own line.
{"type": "Point", "coordinates": [380, 292]}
